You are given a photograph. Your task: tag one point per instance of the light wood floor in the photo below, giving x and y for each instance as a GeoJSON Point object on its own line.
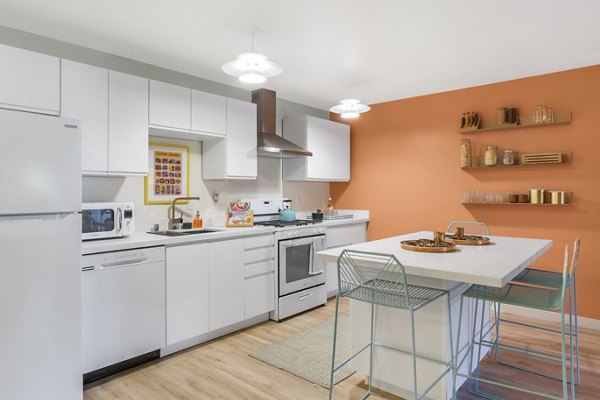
{"type": "Point", "coordinates": [222, 369]}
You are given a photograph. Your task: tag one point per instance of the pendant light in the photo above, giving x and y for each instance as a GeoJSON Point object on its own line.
{"type": "Point", "coordinates": [252, 67]}
{"type": "Point", "coordinates": [350, 108]}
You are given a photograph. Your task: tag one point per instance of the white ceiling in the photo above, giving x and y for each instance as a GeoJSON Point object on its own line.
{"type": "Point", "coordinates": [386, 49]}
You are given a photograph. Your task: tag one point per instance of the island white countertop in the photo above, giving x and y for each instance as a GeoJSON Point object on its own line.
{"type": "Point", "coordinates": [143, 239]}
{"type": "Point", "coordinates": [495, 264]}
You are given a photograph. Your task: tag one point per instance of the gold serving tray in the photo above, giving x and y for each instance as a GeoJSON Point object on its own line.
{"type": "Point", "coordinates": [427, 246]}
{"type": "Point", "coordinates": [467, 240]}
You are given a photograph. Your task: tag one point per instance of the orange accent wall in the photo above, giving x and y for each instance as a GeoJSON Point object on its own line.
{"type": "Point", "coordinates": [405, 168]}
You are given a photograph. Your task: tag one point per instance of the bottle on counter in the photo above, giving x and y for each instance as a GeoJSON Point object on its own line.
{"type": "Point", "coordinates": [197, 224]}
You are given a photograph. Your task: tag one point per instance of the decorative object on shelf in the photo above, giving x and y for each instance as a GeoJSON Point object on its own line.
{"type": "Point", "coordinates": [240, 214]}
{"type": "Point", "coordinates": [470, 120]}
{"type": "Point", "coordinates": [543, 115]}
{"type": "Point", "coordinates": [427, 246]}
{"type": "Point", "coordinates": [536, 196]}
{"type": "Point", "coordinates": [523, 198]}
{"type": "Point", "coordinates": [512, 115]}
{"type": "Point", "coordinates": [465, 153]}
{"type": "Point", "coordinates": [508, 157]}
{"type": "Point", "coordinates": [513, 198]}
{"type": "Point", "coordinates": [168, 173]}
{"type": "Point", "coordinates": [501, 116]}
{"type": "Point", "coordinates": [558, 197]}
{"type": "Point", "coordinates": [491, 156]}
{"type": "Point", "coordinates": [252, 67]}
{"type": "Point", "coordinates": [468, 240]}
{"type": "Point", "coordinates": [542, 158]}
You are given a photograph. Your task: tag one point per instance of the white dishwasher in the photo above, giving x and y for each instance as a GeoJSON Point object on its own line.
{"type": "Point", "coordinates": [123, 296]}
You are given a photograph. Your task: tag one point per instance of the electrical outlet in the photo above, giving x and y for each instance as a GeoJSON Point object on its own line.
{"type": "Point", "coordinates": [215, 198]}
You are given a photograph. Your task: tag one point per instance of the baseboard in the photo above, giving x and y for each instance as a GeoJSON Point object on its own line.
{"type": "Point", "coordinates": [586, 323]}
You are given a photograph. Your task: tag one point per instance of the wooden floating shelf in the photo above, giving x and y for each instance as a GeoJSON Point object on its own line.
{"type": "Point", "coordinates": [526, 121]}
{"type": "Point", "coordinates": [517, 204]}
{"type": "Point", "coordinates": [566, 159]}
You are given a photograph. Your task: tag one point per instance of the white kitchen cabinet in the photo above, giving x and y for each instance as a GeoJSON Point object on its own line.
{"type": "Point", "coordinates": [170, 106]}
{"type": "Point", "coordinates": [29, 81]}
{"type": "Point", "coordinates": [233, 157]}
{"type": "Point", "coordinates": [338, 236]}
{"type": "Point", "coordinates": [329, 141]}
{"type": "Point", "coordinates": [209, 113]}
{"type": "Point", "coordinates": [187, 292]}
{"type": "Point", "coordinates": [84, 96]}
{"type": "Point", "coordinates": [127, 124]}
{"type": "Point", "coordinates": [226, 283]}
{"type": "Point", "coordinates": [259, 271]}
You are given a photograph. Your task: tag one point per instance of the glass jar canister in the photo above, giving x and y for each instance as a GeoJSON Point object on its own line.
{"type": "Point", "coordinates": [465, 153]}
{"type": "Point", "coordinates": [491, 156]}
{"type": "Point", "coordinates": [508, 157]}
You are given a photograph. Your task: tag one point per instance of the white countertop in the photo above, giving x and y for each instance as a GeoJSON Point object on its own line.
{"type": "Point", "coordinates": [495, 264]}
{"type": "Point", "coordinates": [143, 239]}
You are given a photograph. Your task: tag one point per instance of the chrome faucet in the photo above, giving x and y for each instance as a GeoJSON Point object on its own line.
{"type": "Point", "coordinates": [175, 223]}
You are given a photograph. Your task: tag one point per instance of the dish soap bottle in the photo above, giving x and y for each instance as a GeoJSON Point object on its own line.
{"type": "Point", "coordinates": [197, 224]}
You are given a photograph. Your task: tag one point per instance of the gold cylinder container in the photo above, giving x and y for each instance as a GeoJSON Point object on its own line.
{"type": "Point", "coordinates": [558, 197]}
{"type": "Point", "coordinates": [536, 196]}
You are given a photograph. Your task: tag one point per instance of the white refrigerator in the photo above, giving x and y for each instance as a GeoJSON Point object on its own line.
{"type": "Point", "coordinates": [40, 252]}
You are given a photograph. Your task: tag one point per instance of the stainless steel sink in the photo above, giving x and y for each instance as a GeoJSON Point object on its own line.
{"type": "Point", "coordinates": [183, 233]}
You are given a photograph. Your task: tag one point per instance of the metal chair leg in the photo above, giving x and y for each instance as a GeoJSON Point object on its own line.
{"type": "Point", "coordinates": [564, 348]}
{"type": "Point", "coordinates": [335, 323]}
{"type": "Point", "coordinates": [414, 354]}
{"type": "Point", "coordinates": [371, 349]}
{"type": "Point", "coordinates": [452, 360]}
{"type": "Point", "coordinates": [578, 381]}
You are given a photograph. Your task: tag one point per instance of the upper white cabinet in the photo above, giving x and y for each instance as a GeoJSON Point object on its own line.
{"type": "Point", "coordinates": [113, 108]}
{"type": "Point", "coordinates": [170, 106]}
{"type": "Point", "coordinates": [329, 142]}
{"type": "Point", "coordinates": [233, 157]}
{"type": "Point", "coordinates": [29, 81]}
{"type": "Point", "coordinates": [84, 96]}
{"type": "Point", "coordinates": [127, 124]}
{"type": "Point", "coordinates": [209, 113]}
{"type": "Point", "coordinates": [183, 113]}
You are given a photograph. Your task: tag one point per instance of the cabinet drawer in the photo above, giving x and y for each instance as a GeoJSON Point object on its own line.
{"type": "Point", "coordinates": [259, 268]}
{"type": "Point", "coordinates": [260, 254]}
{"type": "Point", "coordinates": [259, 241]}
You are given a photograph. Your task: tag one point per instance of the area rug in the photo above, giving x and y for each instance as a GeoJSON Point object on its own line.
{"type": "Point", "coordinates": [308, 353]}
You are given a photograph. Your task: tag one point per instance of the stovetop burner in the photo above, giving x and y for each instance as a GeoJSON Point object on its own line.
{"type": "Point", "coordinates": [283, 224]}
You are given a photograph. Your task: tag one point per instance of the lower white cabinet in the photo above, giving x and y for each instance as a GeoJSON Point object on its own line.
{"type": "Point", "coordinates": [337, 236]}
{"type": "Point", "coordinates": [213, 285]}
{"type": "Point", "coordinates": [187, 292]}
{"type": "Point", "coordinates": [259, 272]}
{"type": "Point", "coordinates": [226, 283]}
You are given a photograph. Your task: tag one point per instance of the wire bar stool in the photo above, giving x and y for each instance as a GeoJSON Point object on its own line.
{"type": "Point", "coordinates": [380, 280]}
{"type": "Point", "coordinates": [536, 297]}
{"type": "Point", "coordinates": [554, 280]}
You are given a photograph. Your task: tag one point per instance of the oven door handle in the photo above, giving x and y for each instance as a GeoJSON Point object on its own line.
{"type": "Point", "coordinates": [311, 267]}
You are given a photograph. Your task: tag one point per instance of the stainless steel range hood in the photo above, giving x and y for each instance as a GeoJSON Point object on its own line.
{"type": "Point", "coordinates": [269, 143]}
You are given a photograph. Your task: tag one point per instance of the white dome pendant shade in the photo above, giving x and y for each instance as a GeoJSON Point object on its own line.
{"type": "Point", "coordinates": [350, 108]}
{"type": "Point", "coordinates": [252, 67]}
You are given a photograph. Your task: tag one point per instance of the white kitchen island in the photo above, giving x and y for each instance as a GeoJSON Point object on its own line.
{"type": "Point", "coordinates": [493, 265]}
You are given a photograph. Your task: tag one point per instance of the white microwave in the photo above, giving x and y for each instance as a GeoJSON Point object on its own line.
{"type": "Point", "coordinates": [106, 220]}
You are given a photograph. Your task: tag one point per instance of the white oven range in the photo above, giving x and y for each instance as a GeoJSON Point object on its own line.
{"type": "Point", "coordinates": [299, 278]}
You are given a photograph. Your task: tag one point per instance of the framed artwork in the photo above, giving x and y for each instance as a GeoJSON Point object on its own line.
{"type": "Point", "coordinates": [168, 173]}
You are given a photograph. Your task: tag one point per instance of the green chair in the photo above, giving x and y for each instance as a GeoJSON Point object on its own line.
{"type": "Point", "coordinates": [471, 227]}
{"type": "Point", "coordinates": [380, 280]}
{"type": "Point", "coordinates": [551, 279]}
{"type": "Point", "coordinates": [542, 298]}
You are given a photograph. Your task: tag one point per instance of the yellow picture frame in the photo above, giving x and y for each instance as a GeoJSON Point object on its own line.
{"type": "Point", "coordinates": [168, 173]}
